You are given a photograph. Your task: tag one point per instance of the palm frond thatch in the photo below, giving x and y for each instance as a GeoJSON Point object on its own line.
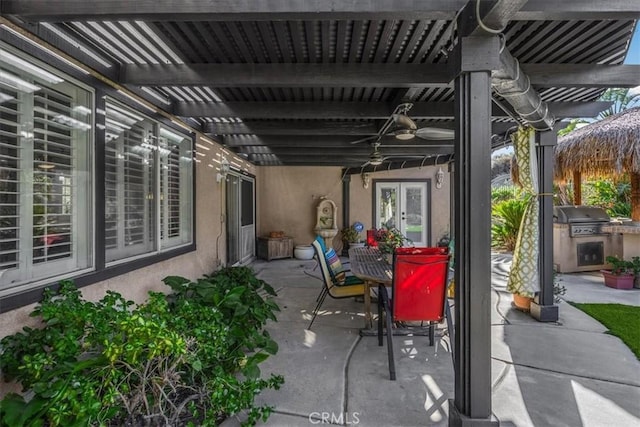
{"type": "Point", "coordinates": [610, 147]}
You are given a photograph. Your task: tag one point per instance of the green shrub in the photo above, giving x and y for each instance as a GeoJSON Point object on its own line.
{"type": "Point", "coordinates": [501, 194]}
{"type": "Point", "coordinates": [506, 219]}
{"type": "Point", "coordinates": [615, 198]}
{"type": "Point", "coordinates": [189, 358]}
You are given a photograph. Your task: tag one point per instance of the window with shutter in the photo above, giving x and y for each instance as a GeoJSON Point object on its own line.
{"type": "Point", "coordinates": [148, 186]}
{"type": "Point", "coordinates": [129, 184]}
{"type": "Point", "coordinates": [9, 179]}
{"type": "Point", "coordinates": [175, 188]}
{"type": "Point", "coordinates": [45, 175]}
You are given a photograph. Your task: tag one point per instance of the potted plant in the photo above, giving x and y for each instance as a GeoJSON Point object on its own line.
{"type": "Point", "coordinates": [621, 274]}
{"type": "Point", "coordinates": [351, 236]}
{"type": "Point", "coordinates": [389, 239]}
{"type": "Point", "coordinates": [635, 265]}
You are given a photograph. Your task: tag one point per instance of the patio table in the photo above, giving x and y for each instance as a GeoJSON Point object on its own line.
{"type": "Point", "coordinates": [370, 265]}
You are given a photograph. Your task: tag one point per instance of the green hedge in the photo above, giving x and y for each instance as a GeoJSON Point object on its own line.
{"type": "Point", "coordinates": [187, 358]}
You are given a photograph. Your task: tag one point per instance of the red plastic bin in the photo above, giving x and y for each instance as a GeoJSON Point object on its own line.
{"type": "Point", "coordinates": [419, 283]}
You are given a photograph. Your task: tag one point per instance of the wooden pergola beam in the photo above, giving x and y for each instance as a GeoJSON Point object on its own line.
{"type": "Point", "coordinates": [251, 10]}
{"type": "Point", "coordinates": [356, 110]}
{"type": "Point", "coordinates": [288, 75]}
{"type": "Point", "coordinates": [362, 75]}
{"type": "Point", "coordinates": [322, 141]}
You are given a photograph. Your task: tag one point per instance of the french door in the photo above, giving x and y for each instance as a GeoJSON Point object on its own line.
{"type": "Point", "coordinates": [241, 229]}
{"type": "Point", "coordinates": [404, 205]}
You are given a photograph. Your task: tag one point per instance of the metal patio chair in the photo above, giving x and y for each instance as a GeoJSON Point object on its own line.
{"type": "Point", "coordinates": [418, 294]}
{"type": "Point", "coordinates": [333, 286]}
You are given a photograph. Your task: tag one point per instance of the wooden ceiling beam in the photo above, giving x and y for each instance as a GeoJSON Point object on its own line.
{"type": "Point", "coordinates": [302, 127]}
{"type": "Point", "coordinates": [582, 75]}
{"type": "Point", "coordinates": [363, 75]}
{"type": "Point", "coordinates": [237, 10]}
{"type": "Point", "coordinates": [326, 141]}
{"type": "Point", "coordinates": [364, 152]}
{"type": "Point", "coordinates": [251, 10]}
{"type": "Point", "coordinates": [354, 110]}
{"type": "Point", "coordinates": [288, 75]}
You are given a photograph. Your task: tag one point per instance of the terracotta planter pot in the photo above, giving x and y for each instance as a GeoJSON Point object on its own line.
{"type": "Point", "coordinates": [521, 302]}
{"type": "Point", "coordinates": [617, 281]}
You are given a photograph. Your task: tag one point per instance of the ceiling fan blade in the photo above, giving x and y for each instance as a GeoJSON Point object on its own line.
{"type": "Point", "coordinates": [367, 138]}
{"type": "Point", "coordinates": [418, 145]}
{"type": "Point", "coordinates": [435, 133]}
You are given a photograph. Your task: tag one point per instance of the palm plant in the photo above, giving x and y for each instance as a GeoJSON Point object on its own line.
{"type": "Point", "coordinates": [507, 217]}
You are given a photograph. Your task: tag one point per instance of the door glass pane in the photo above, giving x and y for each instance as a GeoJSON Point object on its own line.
{"type": "Point", "coordinates": [387, 206]}
{"type": "Point", "coordinates": [233, 219]}
{"type": "Point", "coordinates": [247, 202]}
{"type": "Point", "coordinates": [414, 213]}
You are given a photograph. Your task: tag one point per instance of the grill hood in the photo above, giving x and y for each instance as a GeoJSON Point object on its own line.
{"type": "Point", "coordinates": [579, 214]}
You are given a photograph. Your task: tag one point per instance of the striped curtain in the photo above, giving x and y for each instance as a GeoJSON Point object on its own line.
{"type": "Point", "coordinates": [523, 277]}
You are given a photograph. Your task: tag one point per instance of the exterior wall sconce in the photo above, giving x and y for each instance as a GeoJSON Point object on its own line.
{"type": "Point", "coordinates": [366, 179]}
{"type": "Point", "coordinates": [439, 177]}
{"type": "Point", "coordinates": [224, 170]}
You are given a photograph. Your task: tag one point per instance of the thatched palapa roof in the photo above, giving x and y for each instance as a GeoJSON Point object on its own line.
{"type": "Point", "coordinates": [609, 147]}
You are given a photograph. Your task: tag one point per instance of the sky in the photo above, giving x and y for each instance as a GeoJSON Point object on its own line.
{"type": "Point", "coordinates": [633, 57]}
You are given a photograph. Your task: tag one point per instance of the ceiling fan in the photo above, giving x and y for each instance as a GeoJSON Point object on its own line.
{"type": "Point", "coordinates": [376, 158]}
{"type": "Point", "coordinates": [400, 125]}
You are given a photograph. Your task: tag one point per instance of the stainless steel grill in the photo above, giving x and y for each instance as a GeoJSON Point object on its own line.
{"type": "Point", "coordinates": [582, 220]}
{"type": "Point", "coordinates": [578, 240]}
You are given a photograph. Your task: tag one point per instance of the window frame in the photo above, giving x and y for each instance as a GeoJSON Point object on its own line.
{"type": "Point", "coordinates": [32, 292]}
{"type": "Point", "coordinates": [25, 198]}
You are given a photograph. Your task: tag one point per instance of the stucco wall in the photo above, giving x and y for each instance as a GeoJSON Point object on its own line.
{"type": "Point", "coordinates": [287, 198]}
{"type": "Point", "coordinates": [136, 284]}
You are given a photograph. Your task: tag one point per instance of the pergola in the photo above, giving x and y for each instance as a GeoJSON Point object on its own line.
{"type": "Point", "coordinates": [295, 82]}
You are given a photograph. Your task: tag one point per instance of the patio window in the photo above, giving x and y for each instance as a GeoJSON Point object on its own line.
{"type": "Point", "coordinates": [130, 215]}
{"type": "Point", "coordinates": [175, 188]}
{"type": "Point", "coordinates": [147, 185]}
{"type": "Point", "coordinates": [46, 129]}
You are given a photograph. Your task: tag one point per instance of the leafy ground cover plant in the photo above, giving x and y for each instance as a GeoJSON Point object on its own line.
{"type": "Point", "coordinates": [187, 358]}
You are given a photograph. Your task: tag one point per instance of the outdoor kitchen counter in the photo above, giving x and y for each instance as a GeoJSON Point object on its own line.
{"type": "Point", "coordinates": [630, 238]}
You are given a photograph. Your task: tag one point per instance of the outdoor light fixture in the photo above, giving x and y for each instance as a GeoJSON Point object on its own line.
{"type": "Point", "coordinates": [366, 179]}
{"type": "Point", "coordinates": [224, 169]}
{"type": "Point", "coordinates": [407, 127]}
{"type": "Point", "coordinates": [439, 177]}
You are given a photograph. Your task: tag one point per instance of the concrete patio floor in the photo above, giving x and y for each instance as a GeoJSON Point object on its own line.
{"type": "Point", "coordinates": [569, 373]}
